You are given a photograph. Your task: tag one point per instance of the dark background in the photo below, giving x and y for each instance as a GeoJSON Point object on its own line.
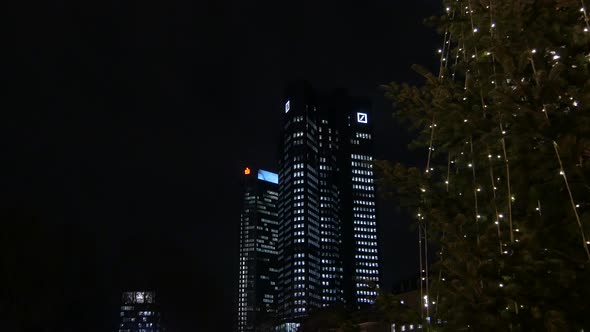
{"type": "Point", "coordinates": [126, 125]}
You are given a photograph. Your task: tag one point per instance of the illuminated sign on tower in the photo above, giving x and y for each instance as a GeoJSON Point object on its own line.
{"type": "Point", "coordinates": [361, 117]}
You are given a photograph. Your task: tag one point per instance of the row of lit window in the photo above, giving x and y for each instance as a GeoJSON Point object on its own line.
{"type": "Point", "coordinates": [364, 216]}
{"type": "Point", "coordinates": [272, 252]}
{"type": "Point", "coordinates": [361, 164]}
{"type": "Point", "coordinates": [365, 271]}
{"type": "Point", "coordinates": [367, 243]}
{"type": "Point", "coordinates": [368, 250]}
{"type": "Point", "coordinates": [365, 300]}
{"type": "Point", "coordinates": [298, 142]}
{"type": "Point", "coordinates": [362, 202]}
{"type": "Point", "coordinates": [363, 135]}
{"type": "Point", "coordinates": [328, 198]}
{"type": "Point", "coordinates": [329, 268]}
{"type": "Point", "coordinates": [369, 195]}
{"type": "Point", "coordinates": [362, 180]}
{"type": "Point", "coordinates": [329, 290]}
{"type": "Point", "coordinates": [368, 264]}
{"type": "Point", "coordinates": [261, 244]}
{"type": "Point", "coordinates": [365, 229]}
{"type": "Point", "coordinates": [362, 187]}
{"type": "Point", "coordinates": [363, 292]}
{"type": "Point", "coordinates": [363, 209]}
{"type": "Point", "coordinates": [366, 236]}
{"type": "Point", "coordinates": [363, 285]}
{"type": "Point", "coordinates": [362, 172]}
{"type": "Point", "coordinates": [361, 157]}
{"type": "Point", "coordinates": [367, 257]}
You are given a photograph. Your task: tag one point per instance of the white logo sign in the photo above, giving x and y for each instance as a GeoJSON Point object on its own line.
{"type": "Point", "coordinates": [287, 106]}
{"type": "Point", "coordinates": [361, 117]}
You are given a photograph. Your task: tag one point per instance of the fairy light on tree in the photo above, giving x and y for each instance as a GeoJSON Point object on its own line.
{"type": "Point", "coordinates": [511, 95]}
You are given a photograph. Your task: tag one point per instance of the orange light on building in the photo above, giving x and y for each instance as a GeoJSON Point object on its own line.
{"type": "Point", "coordinates": [247, 171]}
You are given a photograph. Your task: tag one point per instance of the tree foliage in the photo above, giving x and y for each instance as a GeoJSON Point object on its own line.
{"type": "Point", "coordinates": [505, 195]}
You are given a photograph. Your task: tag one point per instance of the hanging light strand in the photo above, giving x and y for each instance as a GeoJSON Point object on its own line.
{"type": "Point", "coordinates": [430, 145]}
{"type": "Point", "coordinates": [574, 208]}
{"type": "Point", "coordinates": [494, 205]}
{"type": "Point", "coordinates": [508, 188]}
{"type": "Point", "coordinates": [475, 190]}
{"type": "Point", "coordinates": [586, 19]}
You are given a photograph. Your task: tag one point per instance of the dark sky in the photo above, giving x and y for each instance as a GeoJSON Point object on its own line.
{"type": "Point", "coordinates": [127, 124]}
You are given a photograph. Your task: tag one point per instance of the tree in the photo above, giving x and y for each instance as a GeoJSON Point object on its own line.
{"type": "Point", "coordinates": [505, 195]}
{"type": "Point", "coordinates": [391, 310]}
{"type": "Point", "coordinates": [326, 319]}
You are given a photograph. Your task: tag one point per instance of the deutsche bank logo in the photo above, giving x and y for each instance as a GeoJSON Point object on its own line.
{"type": "Point", "coordinates": [361, 117]}
{"type": "Point", "coordinates": [287, 106]}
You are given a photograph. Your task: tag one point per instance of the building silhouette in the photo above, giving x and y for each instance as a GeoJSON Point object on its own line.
{"type": "Point", "coordinates": [327, 247]}
{"type": "Point", "coordinates": [258, 264]}
{"type": "Point", "coordinates": [139, 312]}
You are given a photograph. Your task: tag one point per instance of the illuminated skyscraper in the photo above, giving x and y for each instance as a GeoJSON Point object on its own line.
{"type": "Point", "coordinates": [327, 220]}
{"type": "Point", "coordinates": [139, 313]}
{"type": "Point", "coordinates": [300, 273]}
{"type": "Point", "coordinates": [258, 251]}
{"type": "Point", "coordinates": [358, 205]}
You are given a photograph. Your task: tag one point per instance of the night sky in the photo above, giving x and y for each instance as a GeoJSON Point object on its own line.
{"type": "Point", "coordinates": [127, 125]}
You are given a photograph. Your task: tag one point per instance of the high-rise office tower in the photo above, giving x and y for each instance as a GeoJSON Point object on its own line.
{"type": "Point", "coordinates": [258, 251]}
{"type": "Point", "coordinates": [300, 273]}
{"type": "Point", "coordinates": [327, 219]}
{"type": "Point", "coordinates": [139, 313]}
{"type": "Point", "coordinates": [358, 209]}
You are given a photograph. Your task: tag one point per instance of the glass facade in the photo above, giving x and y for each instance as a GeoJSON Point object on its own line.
{"type": "Point", "coordinates": [361, 207]}
{"type": "Point", "coordinates": [257, 282]}
{"type": "Point", "coordinates": [328, 250]}
{"type": "Point", "coordinates": [299, 212]}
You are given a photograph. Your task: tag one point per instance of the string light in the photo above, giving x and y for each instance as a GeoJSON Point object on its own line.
{"type": "Point", "coordinates": [471, 52]}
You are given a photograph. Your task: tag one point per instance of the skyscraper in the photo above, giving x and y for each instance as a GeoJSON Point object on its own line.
{"type": "Point", "coordinates": [258, 251]}
{"type": "Point", "coordinates": [359, 218]}
{"type": "Point", "coordinates": [139, 312]}
{"type": "Point", "coordinates": [327, 219]}
{"type": "Point", "coordinates": [300, 272]}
